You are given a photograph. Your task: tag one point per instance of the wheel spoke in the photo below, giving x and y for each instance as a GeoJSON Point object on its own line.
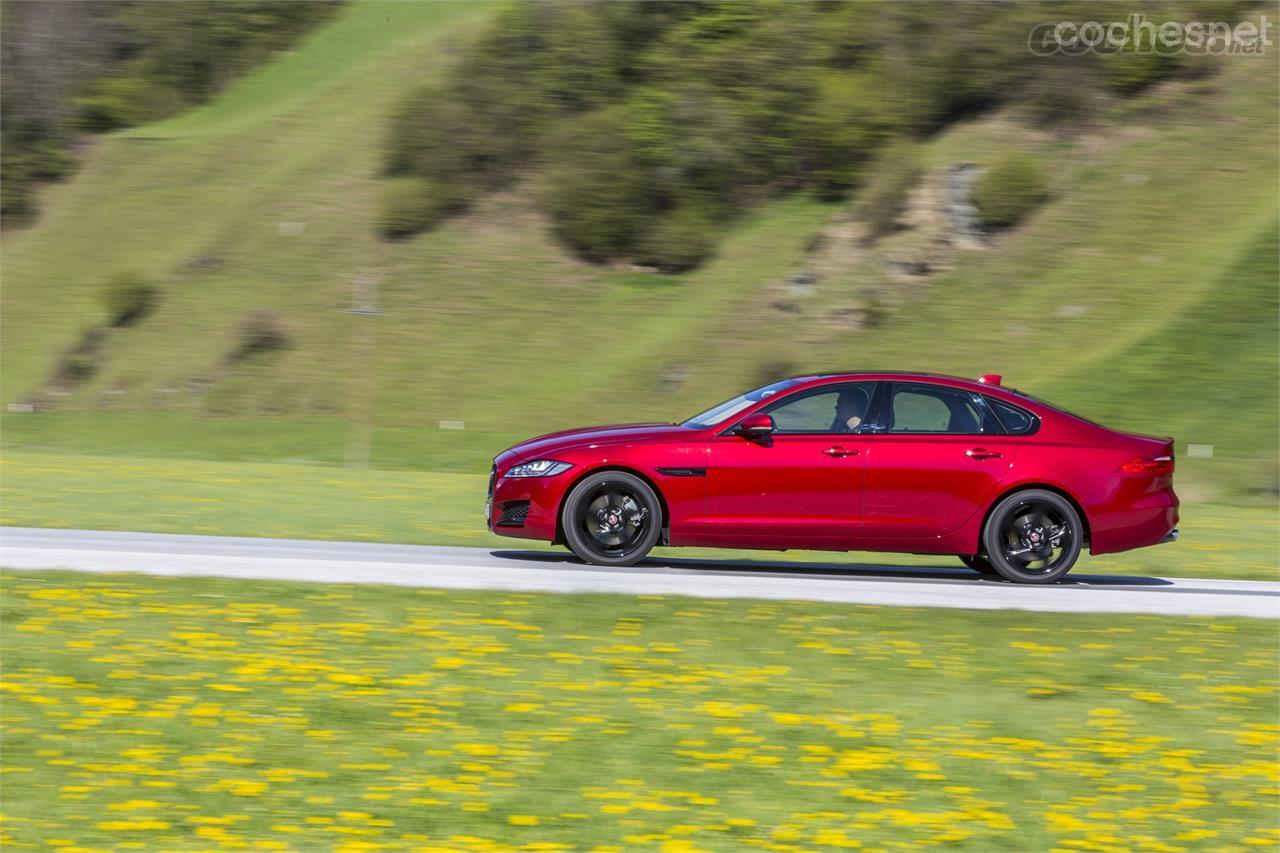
{"type": "Point", "coordinates": [1036, 536]}
{"type": "Point", "coordinates": [613, 519]}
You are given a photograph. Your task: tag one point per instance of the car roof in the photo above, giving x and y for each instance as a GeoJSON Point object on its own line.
{"type": "Point", "coordinates": [941, 378]}
{"type": "Point", "coordinates": [1011, 395]}
{"type": "Point", "coordinates": [1005, 392]}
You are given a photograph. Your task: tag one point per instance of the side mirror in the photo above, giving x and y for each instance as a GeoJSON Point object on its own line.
{"type": "Point", "coordinates": [755, 427]}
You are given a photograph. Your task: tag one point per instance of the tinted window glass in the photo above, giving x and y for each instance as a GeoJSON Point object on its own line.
{"type": "Point", "coordinates": [1014, 420]}
{"type": "Point", "coordinates": [932, 408]}
{"type": "Point", "coordinates": [830, 409]}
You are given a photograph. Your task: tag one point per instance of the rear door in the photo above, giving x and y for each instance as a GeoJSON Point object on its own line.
{"type": "Point", "coordinates": [938, 457]}
{"type": "Point", "coordinates": [802, 487]}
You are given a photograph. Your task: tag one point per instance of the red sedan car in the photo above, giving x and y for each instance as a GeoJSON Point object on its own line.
{"type": "Point", "coordinates": [904, 462]}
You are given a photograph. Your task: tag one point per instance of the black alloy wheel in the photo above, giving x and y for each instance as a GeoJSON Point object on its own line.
{"type": "Point", "coordinates": [1033, 536]}
{"type": "Point", "coordinates": [612, 519]}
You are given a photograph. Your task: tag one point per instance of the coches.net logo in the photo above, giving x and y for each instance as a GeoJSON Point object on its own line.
{"type": "Point", "coordinates": [1136, 34]}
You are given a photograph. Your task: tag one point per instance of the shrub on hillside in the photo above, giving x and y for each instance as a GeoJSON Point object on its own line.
{"type": "Point", "coordinates": [1008, 191]}
{"type": "Point", "coordinates": [895, 171]}
{"type": "Point", "coordinates": [439, 135]}
{"type": "Point", "coordinates": [595, 190]}
{"type": "Point", "coordinates": [413, 204]}
{"type": "Point", "coordinates": [848, 122]}
{"type": "Point", "coordinates": [82, 360]}
{"type": "Point", "coordinates": [679, 241]}
{"type": "Point", "coordinates": [113, 102]}
{"type": "Point", "coordinates": [23, 168]}
{"type": "Point", "coordinates": [259, 332]}
{"type": "Point", "coordinates": [128, 297]}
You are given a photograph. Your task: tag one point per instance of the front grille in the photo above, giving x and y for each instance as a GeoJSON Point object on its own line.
{"type": "Point", "coordinates": [514, 513]}
{"type": "Point", "coordinates": [493, 478]}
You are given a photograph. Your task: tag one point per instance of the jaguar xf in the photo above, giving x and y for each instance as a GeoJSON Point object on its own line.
{"type": "Point", "coordinates": [894, 462]}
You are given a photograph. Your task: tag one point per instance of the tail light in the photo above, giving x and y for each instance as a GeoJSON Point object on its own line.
{"type": "Point", "coordinates": [1155, 466]}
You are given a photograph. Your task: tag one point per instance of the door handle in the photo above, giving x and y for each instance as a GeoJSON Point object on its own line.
{"type": "Point", "coordinates": [982, 453]}
{"type": "Point", "coordinates": [837, 452]}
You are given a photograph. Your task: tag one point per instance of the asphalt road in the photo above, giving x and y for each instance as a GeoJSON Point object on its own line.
{"type": "Point", "coordinates": [541, 571]}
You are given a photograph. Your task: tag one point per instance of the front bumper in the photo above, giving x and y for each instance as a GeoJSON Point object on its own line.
{"type": "Point", "coordinates": [524, 507]}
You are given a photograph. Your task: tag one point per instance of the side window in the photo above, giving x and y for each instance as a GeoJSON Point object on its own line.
{"type": "Point", "coordinates": [933, 409]}
{"type": "Point", "coordinates": [1014, 420]}
{"type": "Point", "coordinates": [829, 409]}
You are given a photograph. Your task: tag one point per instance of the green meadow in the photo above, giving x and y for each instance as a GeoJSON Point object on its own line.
{"type": "Point", "coordinates": [198, 714]}
{"type": "Point", "coordinates": [446, 508]}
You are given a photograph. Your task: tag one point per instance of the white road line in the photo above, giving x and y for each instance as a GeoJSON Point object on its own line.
{"type": "Point", "coordinates": [513, 569]}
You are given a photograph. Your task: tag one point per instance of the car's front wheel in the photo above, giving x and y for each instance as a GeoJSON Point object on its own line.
{"type": "Point", "coordinates": [1033, 536]}
{"type": "Point", "coordinates": [612, 519]}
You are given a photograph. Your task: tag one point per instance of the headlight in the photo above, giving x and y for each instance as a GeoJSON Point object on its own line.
{"type": "Point", "coordinates": [539, 468]}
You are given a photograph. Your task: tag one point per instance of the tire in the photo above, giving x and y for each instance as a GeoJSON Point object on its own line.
{"type": "Point", "coordinates": [611, 519]}
{"type": "Point", "coordinates": [1033, 536]}
{"type": "Point", "coordinates": [979, 563]}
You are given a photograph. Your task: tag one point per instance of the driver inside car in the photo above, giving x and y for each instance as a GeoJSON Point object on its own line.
{"type": "Point", "coordinates": [851, 408]}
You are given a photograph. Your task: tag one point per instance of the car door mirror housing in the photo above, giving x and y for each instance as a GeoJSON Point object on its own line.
{"type": "Point", "coordinates": [755, 426]}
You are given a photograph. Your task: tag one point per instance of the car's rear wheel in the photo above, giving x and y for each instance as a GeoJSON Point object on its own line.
{"type": "Point", "coordinates": [979, 563]}
{"type": "Point", "coordinates": [612, 519]}
{"type": "Point", "coordinates": [1033, 536]}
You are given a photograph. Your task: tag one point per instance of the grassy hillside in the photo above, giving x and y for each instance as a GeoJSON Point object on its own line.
{"type": "Point", "coordinates": [1143, 293]}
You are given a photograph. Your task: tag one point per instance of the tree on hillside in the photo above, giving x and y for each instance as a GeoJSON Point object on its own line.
{"type": "Point", "coordinates": [652, 124]}
{"type": "Point", "coordinates": [75, 66]}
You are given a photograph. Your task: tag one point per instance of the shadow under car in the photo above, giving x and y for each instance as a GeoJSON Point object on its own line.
{"type": "Point", "coordinates": [826, 570]}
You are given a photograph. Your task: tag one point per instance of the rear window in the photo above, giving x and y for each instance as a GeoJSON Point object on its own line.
{"type": "Point", "coordinates": [1015, 421]}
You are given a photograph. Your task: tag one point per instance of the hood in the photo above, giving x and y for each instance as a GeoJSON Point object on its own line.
{"type": "Point", "coordinates": [549, 444]}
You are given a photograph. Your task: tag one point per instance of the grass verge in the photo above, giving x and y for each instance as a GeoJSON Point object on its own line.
{"type": "Point", "coordinates": [179, 714]}
{"type": "Point", "coordinates": [313, 502]}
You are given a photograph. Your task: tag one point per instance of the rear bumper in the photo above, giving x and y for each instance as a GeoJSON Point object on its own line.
{"type": "Point", "coordinates": [1151, 520]}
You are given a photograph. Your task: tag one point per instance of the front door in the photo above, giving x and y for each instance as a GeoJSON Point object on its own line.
{"type": "Point", "coordinates": [800, 488]}
{"type": "Point", "coordinates": [939, 459]}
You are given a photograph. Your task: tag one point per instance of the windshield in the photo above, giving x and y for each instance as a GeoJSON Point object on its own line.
{"type": "Point", "coordinates": [729, 408]}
